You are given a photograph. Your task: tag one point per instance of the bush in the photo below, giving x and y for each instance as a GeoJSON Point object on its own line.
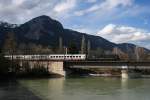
{"type": "Point", "coordinates": [5, 65]}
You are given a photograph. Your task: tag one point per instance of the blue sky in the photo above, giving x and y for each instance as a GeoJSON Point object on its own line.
{"type": "Point", "coordinates": [116, 20]}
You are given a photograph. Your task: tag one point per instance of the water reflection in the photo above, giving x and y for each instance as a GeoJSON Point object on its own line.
{"type": "Point", "coordinates": [135, 89]}
{"type": "Point", "coordinates": [90, 88]}
{"type": "Point", "coordinates": [124, 83]}
{"type": "Point", "coordinates": [47, 89]}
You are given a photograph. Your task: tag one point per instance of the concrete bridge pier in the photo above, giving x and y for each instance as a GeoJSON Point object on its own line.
{"type": "Point", "coordinates": [129, 73]}
{"type": "Point", "coordinates": [124, 74]}
{"type": "Point", "coordinates": [57, 67]}
{"type": "Point", "coordinates": [53, 67]}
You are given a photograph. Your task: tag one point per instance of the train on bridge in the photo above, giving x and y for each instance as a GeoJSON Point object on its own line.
{"type": "Point", "coordinates": [48, 57]}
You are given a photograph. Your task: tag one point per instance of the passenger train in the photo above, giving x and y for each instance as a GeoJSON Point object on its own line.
{"type": "Point", "coordinates": [48, 57]}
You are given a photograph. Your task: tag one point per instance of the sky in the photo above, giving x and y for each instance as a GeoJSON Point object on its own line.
{"type": "Point", "coordinates": [118, 21]}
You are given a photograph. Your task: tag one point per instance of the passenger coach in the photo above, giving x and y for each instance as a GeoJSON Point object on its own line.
{"type": "Point", "coordinates": [48, 57]}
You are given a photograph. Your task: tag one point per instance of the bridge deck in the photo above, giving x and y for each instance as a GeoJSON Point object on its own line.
{"type": "Point", "coordinates": [107, 63]}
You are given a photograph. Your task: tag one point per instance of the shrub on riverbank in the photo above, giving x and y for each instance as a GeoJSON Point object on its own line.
{"type": "Point", "coordinates": [5, 65]}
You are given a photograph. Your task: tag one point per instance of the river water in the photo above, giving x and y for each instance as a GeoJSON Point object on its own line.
{"type": "Point", "coordinates": [89, 88]}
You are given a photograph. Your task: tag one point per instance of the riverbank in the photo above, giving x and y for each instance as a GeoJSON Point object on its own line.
{"type": "Point", "coordinates": [15, 76]}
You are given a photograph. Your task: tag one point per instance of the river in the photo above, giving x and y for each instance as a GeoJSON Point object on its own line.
{"type": "Point", "coordinates": [88, 88]}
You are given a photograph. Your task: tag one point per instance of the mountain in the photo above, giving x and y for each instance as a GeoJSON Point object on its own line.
{"type": "Point", "coordinates": [46, 31]}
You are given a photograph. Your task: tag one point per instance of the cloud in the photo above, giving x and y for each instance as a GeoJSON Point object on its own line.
{"type": "Point", "coordinates": [20, 11]}
{"type": "Point", "coordinates": [106, 5]}
{"type": "Point", "coordinates": [91, 1]}
{"type": "Point", "coordinates": [87, 15]}
{"type": "Point", "coordinates": [65, 6]}
{"type": "Point", "coordinates": [83, 30]}
{"type": "Point", "coordinates": [122, 34]}
{"type": "Point", "coordinates": [17, 2]}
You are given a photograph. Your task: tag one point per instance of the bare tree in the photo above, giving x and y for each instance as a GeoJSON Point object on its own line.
{"type": "Point", "coordinates": [136, 53]}
{"type": "Point", "coordinates": [115, 51]}
{"type": "Point", "coordinates": [83, 45]}
{"type": "Point", "coordinates": [9, 44]}
{"type": "Point", "coordinates": [10, 48]}
{"type": "Point", "coordinates": [88, 48]}
{"type": "Point", "coordinates": [60, 45]}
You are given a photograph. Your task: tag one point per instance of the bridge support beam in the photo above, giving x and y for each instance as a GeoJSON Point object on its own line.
{"type": "Point", "coordinates": [57, 67]}
{"type": "Point", "coordinates": [129, 73]}
{"type": "Point", "coordinates": [53, 67]}
{"type": "Point", "coordinates": [124, 74]}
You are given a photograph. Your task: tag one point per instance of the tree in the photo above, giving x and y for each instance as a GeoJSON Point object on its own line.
{"type": "Point", "coordinates": [83, 45]}
{"type": "Point", "coordinates": [73, 48]}
{"type": "Point", "coordinates": [60, 50]}
{"type": "Point", "coordinates": [9, 44]}
{"type": "Point", "coordinates": [136, 53]}
{"type": "Point", "coordinates": [89, 48]}
{"type": "Point", "coordinates": [140, 54]}
{"type": "Point", "coordinates": [119, 53]}
{"type": "Point", "coordinates": [4, 67]}
{"type": "Point", "coordinates": [22, 48]}
{"type": "Point", "coordinates": [97, 53]}
{"type": "Point", "coordinates": [10, 48]}
{"type": "Point", "coordinates": [115, 51]}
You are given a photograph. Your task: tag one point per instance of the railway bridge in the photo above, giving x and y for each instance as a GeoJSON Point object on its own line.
{"type": "Point", "coordinates": [127, 68]}
{"type": "Point", "coordinates": [57, 65]}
